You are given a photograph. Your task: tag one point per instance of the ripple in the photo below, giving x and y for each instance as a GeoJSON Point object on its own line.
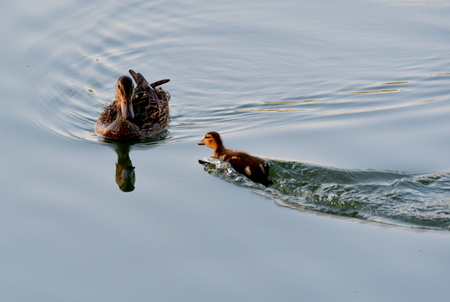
{"type": "Point", "coordinates": [398, 198]}
{"type": "Point", "coordinates": [212, 87]}
{"type": "Point", "coordinates": [375, 91]}
{"type": "Point", "coordinates": [239, 91]}
{"type": "Point", "coordinates": [77, 81]}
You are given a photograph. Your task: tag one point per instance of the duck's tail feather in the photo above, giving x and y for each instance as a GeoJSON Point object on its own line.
{"type": "Point", "coordinates": [159, 83]}
{"type": "Point", "coordinates": [139, 79]}
{"type": "Point", "coordinates": [142, 82]}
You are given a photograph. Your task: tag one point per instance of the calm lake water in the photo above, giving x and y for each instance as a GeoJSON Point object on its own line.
{"type": "Point", "coordinates": [349, 101]}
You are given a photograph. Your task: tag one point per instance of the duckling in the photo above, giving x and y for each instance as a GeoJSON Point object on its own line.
{"type": "Point", "coordinates": [253, 167]}
{"type": "Point", "coordinates": [137, 112]}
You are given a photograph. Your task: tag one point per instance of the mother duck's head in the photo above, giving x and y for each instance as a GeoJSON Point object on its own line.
{"type": "Point", "coordinates": [124, 96]}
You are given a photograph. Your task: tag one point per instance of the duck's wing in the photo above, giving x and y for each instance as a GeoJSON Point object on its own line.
{"type": "Point", "coordinates": [252, 167]}
{"type": "Point", "coordinates": [142, 85]}
{"type": "Point", "coordinates": [242, 162]}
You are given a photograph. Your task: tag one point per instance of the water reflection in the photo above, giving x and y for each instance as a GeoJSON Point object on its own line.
{"type": "Point", "coordinates": [400, 198]}
{"type": "Point", "coordinates": [125, 175]}
{"type": "Point", "coordinates": [376, 91]}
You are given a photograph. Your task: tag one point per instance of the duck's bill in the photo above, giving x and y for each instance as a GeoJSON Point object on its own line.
{"type": "Point", "coordinates": [127, 111]}
{"type": "Point", "coordinates": [201, 143]}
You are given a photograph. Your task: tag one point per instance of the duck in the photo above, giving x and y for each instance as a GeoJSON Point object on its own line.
{"type": "Point", "coordinates": [250, 166]}
{"type": "Point", "coordinates": [137, 112]}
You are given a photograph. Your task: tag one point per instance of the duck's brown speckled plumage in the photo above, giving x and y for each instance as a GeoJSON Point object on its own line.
{"type": "Point", "coordinates": [253, 167]}
{"type": "Point", "coordinates": [144, 117]}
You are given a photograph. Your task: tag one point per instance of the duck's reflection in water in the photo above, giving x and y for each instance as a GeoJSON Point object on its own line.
{"type": "Point", "coordinates": [125, 174]}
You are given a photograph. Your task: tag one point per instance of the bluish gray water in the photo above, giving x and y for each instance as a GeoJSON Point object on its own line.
{"type": "Point", "coordinates": [348, 101]}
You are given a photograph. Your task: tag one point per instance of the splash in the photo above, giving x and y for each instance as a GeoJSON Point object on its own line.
{"type": "Point", "coordinates": [398, 198]}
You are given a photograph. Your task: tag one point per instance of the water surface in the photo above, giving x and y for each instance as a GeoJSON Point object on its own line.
{"type": "Point", "coordinates": [348, 101]}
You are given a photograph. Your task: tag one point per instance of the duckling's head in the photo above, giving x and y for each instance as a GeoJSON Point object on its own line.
{"type": "Point", "coordinates": [124, 95]}
{"type": "Point", "coordinates": [212, 140]}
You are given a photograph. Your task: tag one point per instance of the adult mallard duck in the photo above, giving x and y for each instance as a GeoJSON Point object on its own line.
{"type": "Point", "coordinates": [253, 167]}
{"type": "Point", "coordinates": [136, 112]}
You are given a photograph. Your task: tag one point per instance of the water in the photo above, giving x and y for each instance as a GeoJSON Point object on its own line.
{"type": "Point", "coordinates": [371, 111]}
{"type": "Point", "coordinates": [388, 197]}
{"type": "Point", "coordinates": [348, 101]}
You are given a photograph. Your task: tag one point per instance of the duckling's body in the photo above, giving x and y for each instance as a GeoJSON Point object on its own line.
{"type": "Point", "coordinates": [253, 167]}
{"type": "Point", "coordinates": [136, 112]}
